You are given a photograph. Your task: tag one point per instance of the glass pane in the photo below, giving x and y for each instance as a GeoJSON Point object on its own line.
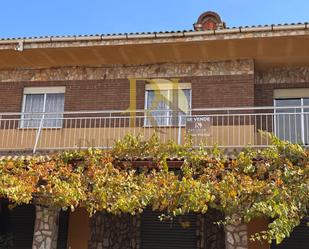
{"type": "Point", "coordinates": [168, 109]}
{"type": "Point", "coordinates": [54, 103]}
{"type": "Point", "coordinates": [306, 121]}
{"type": "Point", "coordinates": [33, 103]}
{"type": "Point", "coordinates": [184, 100]}
{"type": "Point", "coordinates": [158, 103]}
{"type": "Point", "coordinates": [288, 120]}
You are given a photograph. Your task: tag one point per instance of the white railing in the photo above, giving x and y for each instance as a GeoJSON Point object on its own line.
{"type": "Point", "coordinates": [224, 127]}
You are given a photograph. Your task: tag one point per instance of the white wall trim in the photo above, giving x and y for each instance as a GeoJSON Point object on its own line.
{"type": "Point", "coordinates": [43, 90]}
{"type": "Point", "coordinates": [168, 86]}
{"type": "Point", "coordinates": [291, 93]}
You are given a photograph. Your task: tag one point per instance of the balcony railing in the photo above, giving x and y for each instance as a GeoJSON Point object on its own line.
{"type": "Point", "coordinates": [224, 127]}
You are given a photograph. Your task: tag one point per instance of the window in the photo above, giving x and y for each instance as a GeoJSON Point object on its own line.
{"type": "Point", "coordinates": [43, 100]}
{"type": "Point", "coordinates": [167, 106]}
{"type": "Point", "coordinates": [292, 123]}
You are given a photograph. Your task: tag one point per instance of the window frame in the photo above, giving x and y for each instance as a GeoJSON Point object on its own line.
{"type": "Point", "coordinates": [40, 91]}
{"type": "Point", "coordinates": [169, 88]}
{"type": "Point", "coordinates": [302, 114]}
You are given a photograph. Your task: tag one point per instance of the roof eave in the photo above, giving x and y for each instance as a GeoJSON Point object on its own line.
{"type": "Point", "coordinates": [125, 39]}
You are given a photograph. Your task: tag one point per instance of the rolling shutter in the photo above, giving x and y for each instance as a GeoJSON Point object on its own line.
{"type": "Point", "coordinates": [299, 238]}
{"type": "Point", "coordinates": [177, 234]}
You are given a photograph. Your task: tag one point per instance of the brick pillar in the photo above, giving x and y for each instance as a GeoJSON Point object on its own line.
{"type": "Point", "coordinates": [46, 228]}
{"type": "Point", "coordinates": [114, 232]}
{"type": "Point", "coordinates": [236, 235]}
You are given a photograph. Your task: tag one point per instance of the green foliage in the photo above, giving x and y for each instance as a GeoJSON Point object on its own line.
{"type": "Point", "coordinates": [271, 183]}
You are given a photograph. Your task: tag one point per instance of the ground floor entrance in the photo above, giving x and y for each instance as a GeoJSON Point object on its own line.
{"type": "Point", "coordinates": [37, 227]}
{"type": "Point", "coordinates": [17, 227]}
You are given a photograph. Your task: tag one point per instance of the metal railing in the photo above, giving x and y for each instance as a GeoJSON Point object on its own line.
{"type": "Point", "coordinates": [224, 127]}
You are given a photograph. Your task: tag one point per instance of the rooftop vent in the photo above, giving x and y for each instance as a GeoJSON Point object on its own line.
{"type": "Point", "coordinates": [209, 21]}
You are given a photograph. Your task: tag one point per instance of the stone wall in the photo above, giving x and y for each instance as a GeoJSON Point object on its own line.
{"type": "Point", "coordinates": [278, 78]}
{"type": "Point", "coordinates": [164, 70]}
{"type": "Point", "coordinates": [46, 228]}
{"type": "Point", "coordinates": [283, 75]}
{"type": "Point", "coordinates": [236, 235]}
{"type": "Point", "coordinates": [114, 232]}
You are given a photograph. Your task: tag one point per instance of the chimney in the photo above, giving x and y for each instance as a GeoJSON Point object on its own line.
{"type": "Point", "coordinates": [209, 21]}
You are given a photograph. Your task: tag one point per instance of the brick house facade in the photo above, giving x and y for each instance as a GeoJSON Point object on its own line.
{"type": "Point", "coordinates": [225, 68]}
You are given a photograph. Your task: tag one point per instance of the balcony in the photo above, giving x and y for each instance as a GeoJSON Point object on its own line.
{"type": "Point", "coordinates": [224, 127]}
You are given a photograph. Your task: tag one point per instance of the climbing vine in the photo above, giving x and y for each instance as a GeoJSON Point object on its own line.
{"type": "Point", "coordinates": [271, 182]}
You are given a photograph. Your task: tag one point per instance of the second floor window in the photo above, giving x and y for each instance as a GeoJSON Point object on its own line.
{"type": "Point", "coordinates": [41, 101]}
{"type": "Point", "coordinates": [167, 106]}
{"type": "Point", "coordinates": [292, 123]}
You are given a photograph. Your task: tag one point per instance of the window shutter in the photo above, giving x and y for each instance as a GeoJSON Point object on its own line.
{"type": "Point", "coordinates": [177, 234]}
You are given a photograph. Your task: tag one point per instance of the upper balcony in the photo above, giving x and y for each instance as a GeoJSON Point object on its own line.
{"type": "Point", "coordinates": [224, 127]}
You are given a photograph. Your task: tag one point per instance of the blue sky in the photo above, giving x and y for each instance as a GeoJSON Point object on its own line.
{"type": "Point", "coordinates": [21, 18]}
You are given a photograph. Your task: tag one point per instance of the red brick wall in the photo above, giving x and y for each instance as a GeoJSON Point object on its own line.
{"type": "Point", "coordinates": [215, 91]}
{"type": "Point", "coordinates": [222, 91]}
{"type": "Point", "coordinates": [264, 93]}
{"type": "Point", "coordinates": [79, 95]}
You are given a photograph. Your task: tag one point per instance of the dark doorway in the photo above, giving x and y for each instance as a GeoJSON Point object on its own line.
{"type": "Point", "coordinates": [17, 226]}
{"type": "Point", "coordinates": [214, 233]}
